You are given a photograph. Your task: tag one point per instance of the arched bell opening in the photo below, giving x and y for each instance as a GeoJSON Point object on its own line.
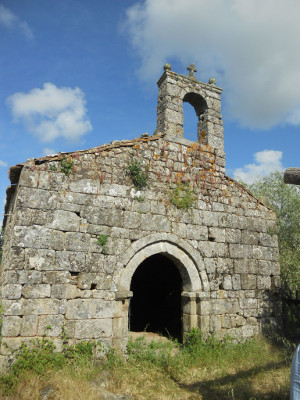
{"type": "Point", "coordinates": [200, 107]}
{"type": "Point", "coordinates": [156, 303]}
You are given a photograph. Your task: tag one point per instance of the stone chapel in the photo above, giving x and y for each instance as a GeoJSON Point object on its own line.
{"type": "Point", "coordinates": [146, 234]}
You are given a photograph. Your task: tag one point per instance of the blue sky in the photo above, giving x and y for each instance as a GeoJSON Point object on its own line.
{"type": "Point", "coordinates": [75, 74]}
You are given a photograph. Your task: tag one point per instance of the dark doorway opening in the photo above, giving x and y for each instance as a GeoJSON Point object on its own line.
{"type": "Point", "coordinates": [156, 303]}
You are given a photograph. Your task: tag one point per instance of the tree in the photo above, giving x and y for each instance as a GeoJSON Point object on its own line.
{"type": "Point", "coordinates": [285, 201]}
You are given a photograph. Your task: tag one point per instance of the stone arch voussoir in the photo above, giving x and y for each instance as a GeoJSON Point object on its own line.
{"type": "Point", "coordinates": [186, 258]}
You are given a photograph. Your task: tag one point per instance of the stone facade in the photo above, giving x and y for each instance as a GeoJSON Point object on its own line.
{"type": "Point", "coordinates": [60, 281]}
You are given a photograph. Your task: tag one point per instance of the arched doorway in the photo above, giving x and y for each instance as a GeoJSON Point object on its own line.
{"type": "Point", "coordinates": [156, 303]}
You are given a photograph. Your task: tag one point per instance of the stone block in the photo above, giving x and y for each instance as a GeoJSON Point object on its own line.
{"type": "Point", "coordinates": [188, 305]}
{"type": "Point", "coordinates": [196, 232]}
{"type": "Point", "coordinates": [189, 321]}
{"type": "Point", "coordinates": [39, 259]}
{"type": "Point", "coordinates": [13, 307]}
{"type": "Point", "coordinates": [69, 328]}
{"type": "Point", "coordinates": [70, 261]}
{"type": "Point", "coordinates": [35, 236]}
{"type": "Point", "coordinates": [240, 251]}
{"type": "Point", "coordinates": [87, 186]}
{"type": "Point", "coordinates": [213, 249]}
{"type": "Point", "coordinates": [65, 291]}
{"type": "Point", "coordinates": [13, 277]}
{"type": "Point", "coordinates": [264, 267]}
{"type": "Point", "coordinates": [216, 234]}
{"type": "Point", "coordinates": [226, 322]}
{"type": "Point", "coordinates": [120, 326]}
{"type": "Point", "coordinates": [248, 281]}
{"type": "Point", "coordinates": [65, 221]}
{"type": "Point", "coordinates": [95, 280]}
{"type": "Point", "coordinates": [50, 325]}
{"type": "Point", "coordinates": [43, 306]}
{"type": "Point", "coordinates": [11, 326]}
{"type": "Point", "coordinates": [227, 282]}
{"type": "Point", "coordinates": [215, 323]}
{"type": "Point", "coordinates": [12, 291]}
{"type": "Point", "coordinates": [262, 253]}
{"type": "Point", "coordinates": [36, 291]}
{"type": "Point", "coordinates": [29, 325]}
{"type": "Point", "coordinates": [210, 218]}
{"type": "Point", "coordinates": [56, 277]}
{"type": "Point", "coordinates": [16, 258]}
{"type": "Point", "coordinates": [236, 282]}
{"type": "Point", "coordinates": [9, 344]}
{"type": "Point", "coordinates": [268, 240]}
{"type": "Point", "coordinates": [248, 303]}
{"type": "Point", "coordinates": [89, 308]}
{"type": "Point", "coordinates": [34, 277]}
{"type": "Point", "coordinates": [252, 321]}
{"type": "Point", "coordinates": [57, 240]}
{"type": "Point", "coordinates": [224, 306]}
{"type": "Point", "coordinates": [156, 223]}
{"type": "Point", "coordinates": [203, 307]}
{"type": "Point", "coordinates": [77, 241]}
{"type": "Point", "coordinates": [263, 282]}
{"type": "Point", "coordinates": [250, 238]}
{"type": "Point", "coordinates": [4, 366]}
{"type": "Point", "coordinates": [204, 323]}
{"type": "Point", "coordinates": [37, 198]}
{"type": "Point", "coordinates": [93, 329]}
{"type": "Point", "coordinates": [245, 266]}
{"type": "Point", "coordinates": [233, 235]}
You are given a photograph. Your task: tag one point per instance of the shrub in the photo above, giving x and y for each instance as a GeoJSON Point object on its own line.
{"type": "Point", "coordinates": [138, 177]}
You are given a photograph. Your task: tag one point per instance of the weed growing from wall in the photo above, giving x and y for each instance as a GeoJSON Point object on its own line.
{"type": "Point", "coordinates": [182, 196]}
{"type": "Point", "coordinates": [67, 165]}
{"type": "Point", "coordinates": [102, 241]}
{"type": "Point", "coordinates": [138, 177]}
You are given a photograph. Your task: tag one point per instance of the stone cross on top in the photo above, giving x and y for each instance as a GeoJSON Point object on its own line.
{"type": "Point", "coordinates": [192, 69]}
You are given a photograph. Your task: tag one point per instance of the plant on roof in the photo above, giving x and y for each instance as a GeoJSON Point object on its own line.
{"type": "Point", "coordinates": [138, 176]}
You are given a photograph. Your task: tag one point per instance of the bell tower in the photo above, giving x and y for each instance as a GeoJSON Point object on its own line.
{"type": "Point", "coordinates": [174, 89]}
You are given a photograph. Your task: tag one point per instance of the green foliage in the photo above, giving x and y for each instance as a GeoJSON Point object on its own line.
{"type": "Point", "coordinates": [164, 356]}
{"type": "Point", "coordinates": [220, 369]}
{"type": "Point", "coordinates": [52, 167]}
{"type": "Point", "coordinates": [67, 165]}
{"type": "Point", "coordinates": [138, 177]}
{"type": "Point", "coordinates": [182, 196]}
{"type": "Point", "coordinates": [102, 241]}
{"type": "Point", "coordinates": [40, 356]}
{"type": "Point", "coordinates": [285, 201]}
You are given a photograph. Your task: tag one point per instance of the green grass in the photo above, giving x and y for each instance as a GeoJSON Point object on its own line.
{"type": "Point", "coordinates": [198, 369]}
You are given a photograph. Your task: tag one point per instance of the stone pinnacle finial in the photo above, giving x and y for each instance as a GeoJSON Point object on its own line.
{"type": "Point", "coordinates": [212, 81]}
{"type": "Point", "coordinates": [167, 67]}
{"type": "Point", "coordinates": [192, 69]}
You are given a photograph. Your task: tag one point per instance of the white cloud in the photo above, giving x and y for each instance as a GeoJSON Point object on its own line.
{"type": "Point", "coordinates": [266, 161]}
{"type": "Point", "coordinates": [52, 112]}
{"type": "Point", "coordinates": [48, 151]}
{"type": "Point", "coordinates": [3, 163]}
{"type": "Point", "coordinates": [9, 20]}
{"type": "Point", "coordinates": [250, 46]}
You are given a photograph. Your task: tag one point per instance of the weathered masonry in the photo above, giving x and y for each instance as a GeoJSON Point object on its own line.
{"type": "Point", "coordinates": [143, 234]}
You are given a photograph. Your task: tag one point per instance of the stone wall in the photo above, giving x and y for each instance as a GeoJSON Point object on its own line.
{"type": "Point", "coordinates": [57, 281]}
{"type": "Point", "coordinates": [78, 226]}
